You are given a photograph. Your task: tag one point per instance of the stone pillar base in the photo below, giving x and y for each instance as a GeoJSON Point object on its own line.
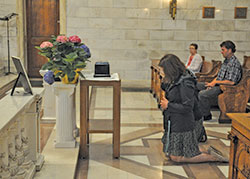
{"type": "Point", "coordinates": [31, 172]}
{"type": "Point", "coordinates": [39, 162]}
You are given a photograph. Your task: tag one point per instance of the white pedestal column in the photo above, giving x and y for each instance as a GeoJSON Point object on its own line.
{"type": "Point", "coordinates": [65, 114]}
{"type": "Point", "coordinates": [49, 102]}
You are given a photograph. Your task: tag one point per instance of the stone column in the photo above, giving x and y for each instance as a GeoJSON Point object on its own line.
{"type": "Point", "coordinates": [49, 102]}
{"type": "Point", "coordinates": [65, 114]}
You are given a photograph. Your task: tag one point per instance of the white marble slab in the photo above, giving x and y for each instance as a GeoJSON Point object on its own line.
{"type": "Point", "coordinates": [90, 76]}
{"type": "Point", "coordinates": [12, 106]}
{"type": "Point", "coordinates": [59, 162]}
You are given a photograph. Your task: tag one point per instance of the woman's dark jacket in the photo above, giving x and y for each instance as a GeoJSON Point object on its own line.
{"type": "Point", "coordinates": [183, 105]}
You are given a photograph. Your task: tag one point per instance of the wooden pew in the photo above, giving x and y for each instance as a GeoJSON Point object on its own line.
{"type": "Point", "coordinates": [208, 68]}
{"type": "Point", "coordinates": [212, 69]}
{"type": "Point", "coordinates": [246, 63]}
{"type": "Point", "coordinates": [234, 98]}
{"type": "Point", "coordinates": [162, 92]}
{"type": "Point", "coordinates": [154, 70]}
{"type": "Point", "coordinates": [157, 76]}
{"type": "Point", "coordinates": [157, 85]}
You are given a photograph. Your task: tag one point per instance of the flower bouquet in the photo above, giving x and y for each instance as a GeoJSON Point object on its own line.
{"type": "Point", "coordinates": [66, 58]}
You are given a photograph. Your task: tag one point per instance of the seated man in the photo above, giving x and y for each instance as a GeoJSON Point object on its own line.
{"type": "Point", "coordinates": [194, 61]}
{"type": "Point", "coordinates": [230, 74]}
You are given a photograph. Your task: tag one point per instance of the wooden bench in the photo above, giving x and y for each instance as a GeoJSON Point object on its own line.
{"type": "Point", "coordinates": [234, 98]}
{"type": "Point", "coordinates": [157, 76]}
{"type": "Point", "coordinates": [246, 63]}
{"type": "Point", "coordinates": [211, 68]}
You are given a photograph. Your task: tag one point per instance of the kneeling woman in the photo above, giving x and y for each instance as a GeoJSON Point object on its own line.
{"type": "Point", "coordinates": [179, 140]}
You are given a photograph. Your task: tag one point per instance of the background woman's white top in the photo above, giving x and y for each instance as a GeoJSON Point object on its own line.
{"type": "Point", "coordinates": [196, 63]}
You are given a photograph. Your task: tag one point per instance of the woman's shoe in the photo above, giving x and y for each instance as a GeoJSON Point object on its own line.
{"type": "Point", "coordinates": [216, 153]}
{"type": "Point", "coordinates": [208, 118]}
{"type": "Point", "coordinates": [211, 148]}
{"type": "Point", "coordinates": [203, 137]}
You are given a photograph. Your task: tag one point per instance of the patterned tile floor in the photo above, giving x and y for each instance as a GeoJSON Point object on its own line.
{"type": "Point", "coordinates": [141, 148]}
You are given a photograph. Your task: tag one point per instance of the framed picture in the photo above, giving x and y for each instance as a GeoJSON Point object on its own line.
{"type": "Point", "coordinates": [22, 78]}
{"type": "Point", "coordinates": [208, 12]}
{"type": "Point", "coordinates": [240, 13]}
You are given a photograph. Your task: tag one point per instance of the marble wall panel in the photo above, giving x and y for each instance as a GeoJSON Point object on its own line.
{"type": "Point", "coordinates": [139, 30]}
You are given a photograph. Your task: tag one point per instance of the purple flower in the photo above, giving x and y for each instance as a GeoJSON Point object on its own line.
{"type": "Point", "coordinates": [49, 77]}
{"type": "Point", "coordinates": [86, 49]}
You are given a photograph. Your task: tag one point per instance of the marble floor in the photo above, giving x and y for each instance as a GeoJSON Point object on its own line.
{"type": "Point", "coordinates": [141, 148]}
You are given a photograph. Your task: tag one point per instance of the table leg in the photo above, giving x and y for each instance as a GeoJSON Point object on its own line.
{"type": "Point", "coordinates": [116, 119]}
{"type": "Point", "coordinates": [87, 114]}
{"type": "Point", "coordinates": [83, 120]}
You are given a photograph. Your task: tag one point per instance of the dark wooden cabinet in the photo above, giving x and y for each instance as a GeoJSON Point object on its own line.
{"type": "Point", "coordinates": [239, 163]}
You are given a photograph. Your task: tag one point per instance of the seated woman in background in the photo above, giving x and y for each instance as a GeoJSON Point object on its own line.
{"type": "Point", "coordinates": [194, 61]}
{"type": "Point", "coordinates": [179, 139]}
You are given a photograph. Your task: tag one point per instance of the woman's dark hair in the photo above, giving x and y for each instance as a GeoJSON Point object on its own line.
{"type": "Point", "coordinates": [172, 66]}
{"type": "Point", "coordinates": [194, 45]}
{"type": "Point", "coordinates": [228, 45]}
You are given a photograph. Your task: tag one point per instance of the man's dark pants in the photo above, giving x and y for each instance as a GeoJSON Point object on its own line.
{"type": "Point", "coordinates": [208, 97]}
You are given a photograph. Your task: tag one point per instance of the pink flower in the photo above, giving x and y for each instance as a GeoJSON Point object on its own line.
{"type": "Point", "coordinates": [74, 39]}
{"type": "Point", "coordinates": [46, 44]}
{"type": "Point", "coordinates": [62, 38]}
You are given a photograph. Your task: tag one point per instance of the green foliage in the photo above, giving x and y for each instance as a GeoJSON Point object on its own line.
{"type": "Point", "coordinates": [64, 58]}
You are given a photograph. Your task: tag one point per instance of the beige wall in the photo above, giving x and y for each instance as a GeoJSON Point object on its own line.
{"type": "Point", "coordinates": [7, 7]}
{"type": "Point", "coordinates": [128, 33]}
{"type": "Point", "coordinates": [18, 31]}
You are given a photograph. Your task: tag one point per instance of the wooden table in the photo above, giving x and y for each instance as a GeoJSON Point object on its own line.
{"type": "Point", "coordinates": [91, 126]}
{"type": "Point", "coordinates": [239, 163]}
